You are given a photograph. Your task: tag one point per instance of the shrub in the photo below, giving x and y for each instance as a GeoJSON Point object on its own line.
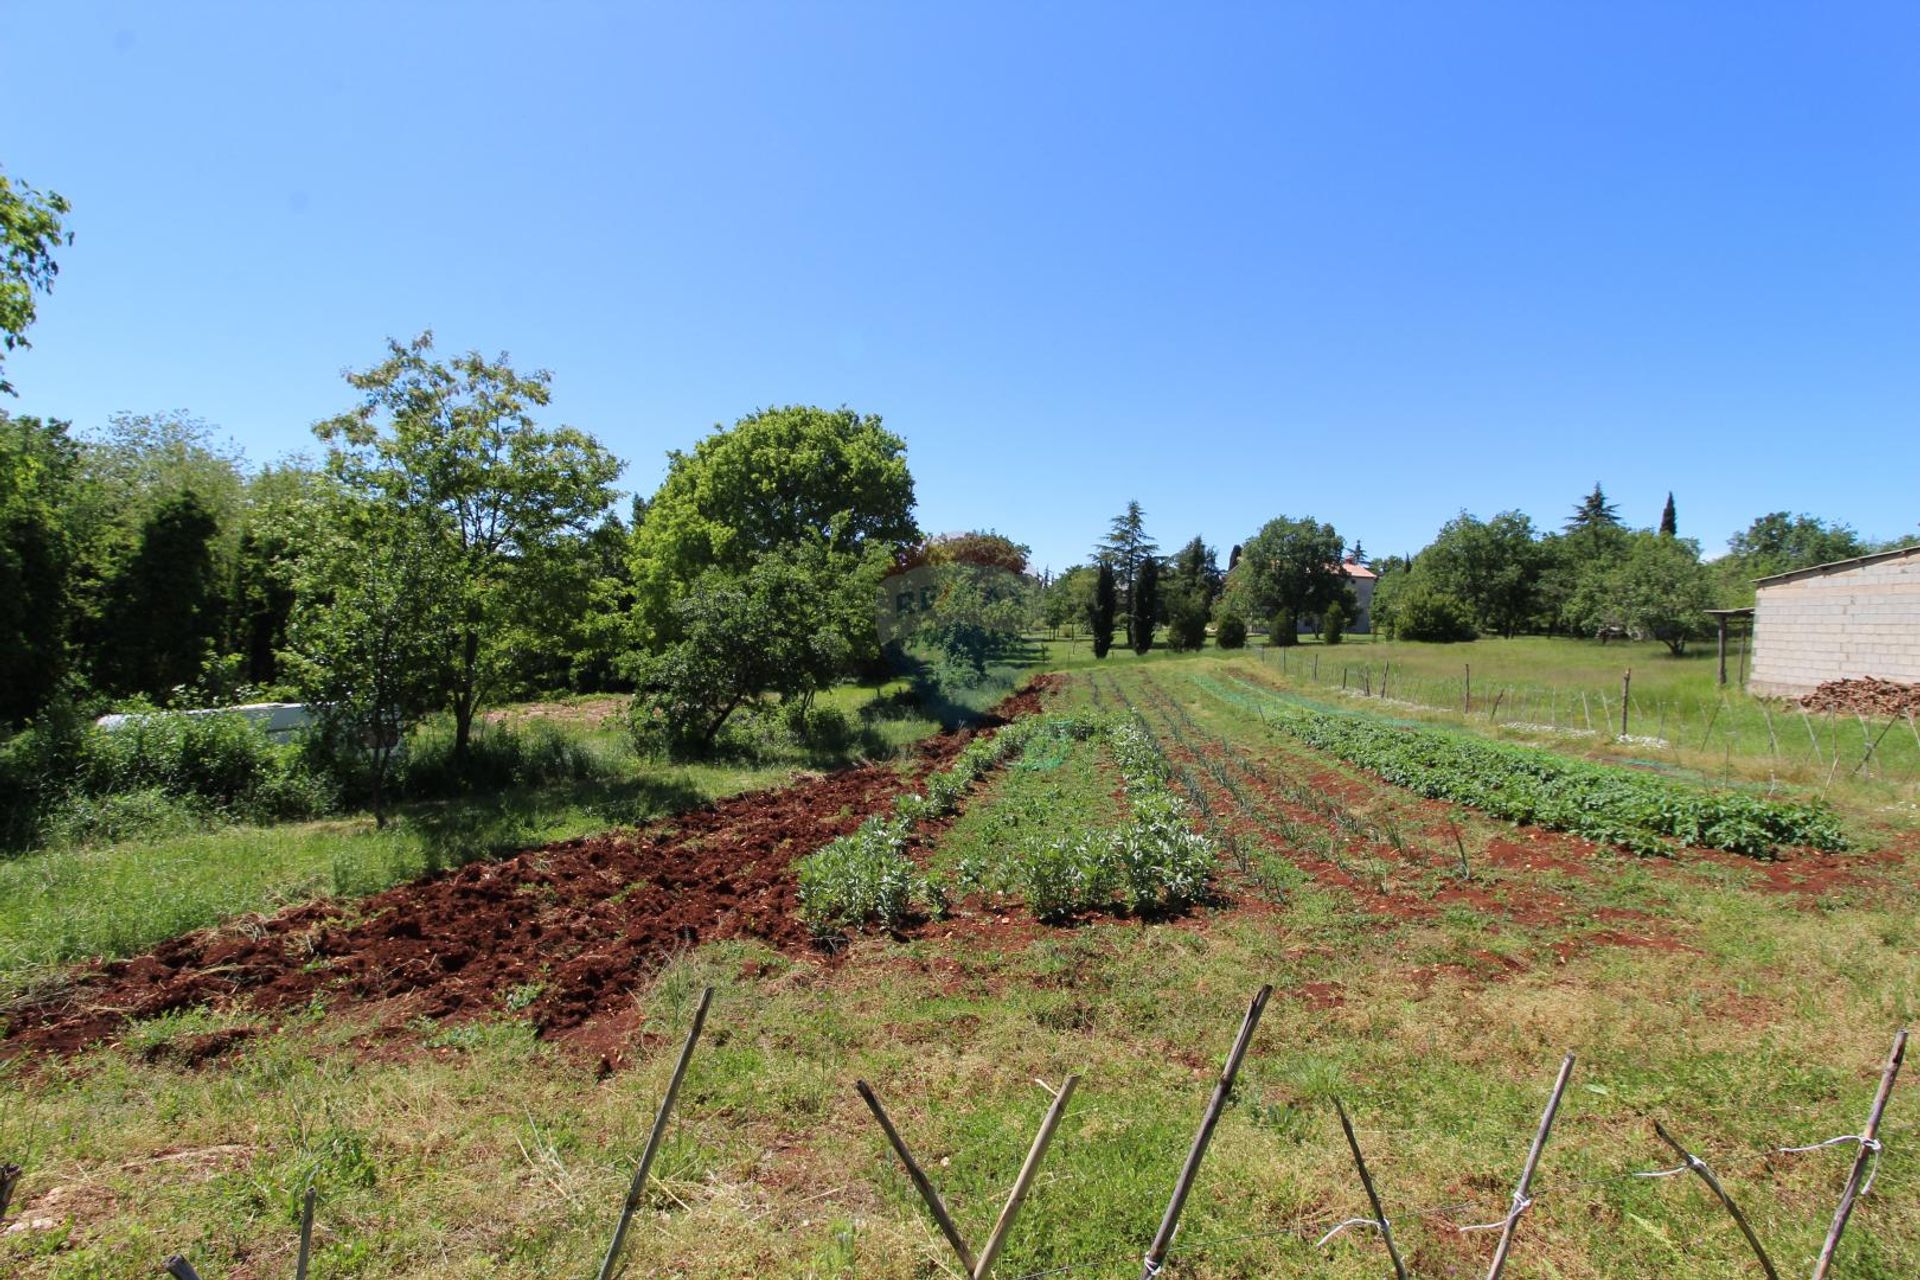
{"type": "Point", "coordinates": [1281, 632]}
{"type": "Point", "coordinates": [1187, 623]}
{"type": "Point", "coordinates": [1422, 612]}
{"type": "Point", "coordinates": [1333, 624]}
{"type": "Point", "coordinates": [1231, 633]}
{"type": "Point", "coordinates": [499, 756]}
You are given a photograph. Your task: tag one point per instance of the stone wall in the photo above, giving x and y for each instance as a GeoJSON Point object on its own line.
{"type": "Point", "coordinates": [1863, 621]}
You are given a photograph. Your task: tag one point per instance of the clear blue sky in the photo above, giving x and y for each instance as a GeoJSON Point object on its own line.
{"type": "Point", "coordinates": [1370, 262]}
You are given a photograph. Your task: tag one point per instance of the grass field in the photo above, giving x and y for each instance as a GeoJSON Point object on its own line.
{"type": "Point", "coordinates": [1747, 1004]}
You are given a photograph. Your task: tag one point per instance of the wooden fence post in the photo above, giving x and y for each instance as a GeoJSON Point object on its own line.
{"type": "Point", "coordinates": [306, 1235]}
{"type": "Point", "coordinates": [9, 1179]}
{"type": "Point", "coordinates": [1626, 692]}
{"type": "Point", "coordinates": [639, 1185]}
{"type": "Point", "coordinates": [1466, 689]}
{"type": "Point", "coordinates": [1021, 1185]}
{"type": "Point", "coordinates": [1699, 1166]}
{"type": "Point", "coordinates": [1373, 1197]}
{"type": "Point", "coordinates": [919, 1178]}
{"type": "Point", "coordinates": [1869, 1148]}
{"type": "Point", "coordinates": [1222, 1089]}
{"type": "Point", "coordinates": [1520, 1200]}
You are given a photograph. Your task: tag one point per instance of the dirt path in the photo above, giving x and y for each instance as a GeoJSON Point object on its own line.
{"type": "Point", "coordinates": [576, 926]}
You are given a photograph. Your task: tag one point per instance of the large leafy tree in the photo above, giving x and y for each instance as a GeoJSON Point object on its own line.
{"type": "Point", "coordinates": [1658, 589]}
{"type": "Point", "coordinates": [453, 447]}
{"type": "Point", "coordinates": [38, 464]}
{"type": "Point", "coordinates": [30, 231]}
{"type": "Point", "coordinates": [776, 628]}
{"type": "Point", "coordinates": [367, 641]}
{"type": "Point", "coordinates": [779, 478]}
{"type": "Point", "coordinates": [1291, 569]}
{"type": "Point", "coordinates": [1494, 567]}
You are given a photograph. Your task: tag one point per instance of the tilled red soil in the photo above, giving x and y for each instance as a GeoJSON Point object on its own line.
{"type": "Point", "coordinates": [588, 920]}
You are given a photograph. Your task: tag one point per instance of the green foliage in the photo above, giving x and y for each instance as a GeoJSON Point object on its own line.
{"type": "Point", "coordinates": [1187, 623]}
{"type": "Point", "coordinates": [1283, 631]}
{"type": "Point", "coordinates": [1100, 623]}
{"type": "Point", "coordinates": [452, 447]}
{"type": "Point", "coordinates": [1290, 568]}
{"type": "Point", "coordinates": [38, 466]}
{"type": "Point", "coordinates": [1408, 606]}
{"type": "Point", "coordinates": [1493, 567]}
{"type": "Point", "coordinates": [1124, 550]}
{"type": "Point", "coordinates": [1333, 624]}
{"type": "Point", "coordinates": [1144, 606]}
{"type": "Point", "coordinates": [858, 878]}
{"type": "Point", "coordinates": [1637, 811]}
{"type": "Point", "coordinates": [166, 605]}
{"type": "Point", "coordinates": [30, 231]}
{"type": "Point", "coordinates": [1658, 589]}
{"type": "Point", "coordinates": [780, 478]}
{"type": "Point", "coordinates": [369, 639]}
{"type": "Point", "coordinates": [1231, 632]}
{"type": "Point", "coordinates": [775, 629]}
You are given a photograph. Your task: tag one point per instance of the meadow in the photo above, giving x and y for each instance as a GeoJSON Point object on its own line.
{"type": "Point", "coordinates": [1432, 964]}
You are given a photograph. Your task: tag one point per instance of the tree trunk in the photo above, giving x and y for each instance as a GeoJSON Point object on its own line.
{"type": "Point", "coordinates": [465, 697]}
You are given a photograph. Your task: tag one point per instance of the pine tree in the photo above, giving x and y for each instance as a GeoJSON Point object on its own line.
{"type": "Point", "coordinates": [1594, 512]}
{"type": "Point", "coordinates": [1146, 606]}
{"type": "Point", "coordinates": [1126, 547]}
{"type": "Point", "coordinates": [1359, 553]}
{"type": "Point", "coordinates": [1100, 623]}
{"type": "Point", "coordinates": [1669, 526]}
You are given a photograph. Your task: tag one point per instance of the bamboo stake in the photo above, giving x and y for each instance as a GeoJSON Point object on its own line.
{"type": "Point", "coordinates": [1526, 1175]}
{"type": "Point", "coordinates": [1222, 1089]}
{"type": "Point", "coordinates": [1869, 1143]}
{"type": "Point", "coordinates": [934, 1204]}
{"type": "Point", "coordinates": [9, 1179]}
{"type": "Point", "coordinates": [1024, 1182]}
{"type": "Point", "coordinates": [306, 1235]}
{"type": "Point", "coordinates": [1699, 1166]}
{"type": "Point", "coordinates": [1891, 721]}
{"type": "Point", "coordinates": [639, 1185]}
{"type": "Point", "coordinates": [1373, 1197]}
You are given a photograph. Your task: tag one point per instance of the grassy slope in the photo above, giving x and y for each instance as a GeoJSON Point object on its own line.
{"type": "Point", "coordinates": [65, 904]}
{"type": "Point", "coordinates": [488, 1154]}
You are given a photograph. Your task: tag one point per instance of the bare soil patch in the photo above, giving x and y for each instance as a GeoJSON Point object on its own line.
{"type": "Point", "coordinates": [567, 932]}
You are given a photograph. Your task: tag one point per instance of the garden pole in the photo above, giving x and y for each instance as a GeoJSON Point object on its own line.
{"type": "Point", "coordinates": [1699, 1166]}
{"type": "Point", "coordinates": [934, 1203]}
{"type": "Point", "coordinates": [1626, 692]}
{"type": "Point", "coordinates": [1466, 690]}
{"type": "Point", "coordinates": [1520, 1200]}
{"type": "Point", "coordinates": [1891, 721]}
{"type": "Point", "coordinates": [1373, 1197]}
{"type": "Point", "coordinates": [1222, 1089]}
{"type": "Point", "coordinates": [1024, 1182]}
{"type": "Point", "coordinates": [306, 1235]}
{"type": "Point", "coordinates": [1869, 1148]}
{"type": "Point", "coordinates": [639, 1185]}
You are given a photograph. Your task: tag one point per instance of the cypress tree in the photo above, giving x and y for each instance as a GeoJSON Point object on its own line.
{"type": "Point", "coordinates": [1101, 623]}
{"type": "Point", "coordinates": [164, 610]}
{"type": "Point", "coordinates": [1146, 605]}
{"type": "Point", "coordinates": [1669, 526]}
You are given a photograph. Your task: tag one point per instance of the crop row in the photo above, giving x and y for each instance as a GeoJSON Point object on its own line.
{"type": "Point", "coordinates": [1640, 812]}
{"type": "Point", "coordinates": [1154, 861]}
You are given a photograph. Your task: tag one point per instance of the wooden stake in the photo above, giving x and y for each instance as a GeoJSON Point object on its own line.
{"type": "Point", "coordinates": [1869, 1140]}
{"type": "Point", "coordinates": [1526, 1174]}
{"type": "Point", "coordinates": [934, 1204]}
{"type": "Point", "coordinates": [1586, 713]}
{"type": "Point", "coordinates": [1222, 1089]}
{"type": "Point", "coordinates": [306, 1236]}
{"type": "Point", "coordinates": [1466, 872]}
{"type": "Point", "coordinates": [1626, 693]}
{"type": "Point", "coordinates": [1373, 1197]}
{"type": "Point", "coordinates": [1706, 1175]}
{"type": "Point", "coordinates": [639, 1185]}
{"type": "Point", "coordinates": [1024, 1182]}
{"type": "Point", "coordinates": [179, 1268]}
{"type": "Point", "coordinates": [9, 1179]}
{"type": "Point", "coordinates": [1466, 689]}
{"type": "Point", "coordinates": [1891, 721]}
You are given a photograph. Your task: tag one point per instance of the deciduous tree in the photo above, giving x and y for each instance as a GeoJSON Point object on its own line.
{"type": "Point", "coordinates": [1292, 569]}
{"type": "Point", "coordinates": [30, 231]}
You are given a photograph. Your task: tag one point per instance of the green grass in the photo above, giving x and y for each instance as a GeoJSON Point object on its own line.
{"type": "Point", "coordinates": [474, 1149]}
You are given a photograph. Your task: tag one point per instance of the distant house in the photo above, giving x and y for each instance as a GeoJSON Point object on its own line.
{"type": "Point", "coordinates": [1839, 621]}
{"type": "Point", "coordinates": [1362, 580]}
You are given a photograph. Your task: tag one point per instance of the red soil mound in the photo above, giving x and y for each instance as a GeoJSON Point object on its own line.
{"type": "Point", "coordinates": [1869, 696]}
{"type": "Point", "coordinates": [588, 920]}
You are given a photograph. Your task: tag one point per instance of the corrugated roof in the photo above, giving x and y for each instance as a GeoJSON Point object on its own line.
{"type": "Point", "coordinates": [1837, 565]}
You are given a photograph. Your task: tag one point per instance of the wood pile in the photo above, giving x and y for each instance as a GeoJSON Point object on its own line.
{"type": "Point", "coordinates": [1869, 696]}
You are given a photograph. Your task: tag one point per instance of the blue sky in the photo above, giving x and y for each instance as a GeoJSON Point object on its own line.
{"type": "Point", "coordinates": [1375, 263]}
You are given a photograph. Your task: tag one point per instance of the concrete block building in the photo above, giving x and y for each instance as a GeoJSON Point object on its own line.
{"type": "Point", "coordinates": [1837, 621]}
